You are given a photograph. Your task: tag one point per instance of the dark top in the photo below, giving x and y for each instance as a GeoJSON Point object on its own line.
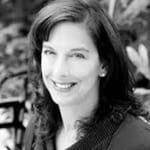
{"type": "Point", "coordinates": [118, 132]}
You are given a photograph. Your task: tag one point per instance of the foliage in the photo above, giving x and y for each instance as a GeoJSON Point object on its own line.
{"type": "Point", "coordinates": [131, 16]}
{"type": "Point", "coordinates": [140, 59]}
{"type": "Point", "coordinates": [133, 20]}
{"type": "Point", "coordinates": [15, 19]}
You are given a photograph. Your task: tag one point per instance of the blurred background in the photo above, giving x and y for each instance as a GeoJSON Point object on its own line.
{"type": "Point", "coordinates": [16, 91]}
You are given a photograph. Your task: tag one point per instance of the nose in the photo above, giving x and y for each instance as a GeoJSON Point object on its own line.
{"type": "Point", "coordinates": [60, 68]}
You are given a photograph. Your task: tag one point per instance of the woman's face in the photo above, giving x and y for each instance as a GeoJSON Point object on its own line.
{"type": "Point", "coordinates": [70, 65]}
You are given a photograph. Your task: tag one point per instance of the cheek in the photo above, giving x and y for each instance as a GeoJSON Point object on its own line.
{"type": "Point", "coordinates": [45, 69]}
{"type": "Point", "coordinates": [45, 66]}
{"type": "Point", "coordinates": [85, 71]}
{"type": "Point", "coordinates": [89, 81]}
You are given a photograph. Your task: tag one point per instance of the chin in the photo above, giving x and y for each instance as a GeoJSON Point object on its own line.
{"type": "Point", "coordinates": [65, 101]}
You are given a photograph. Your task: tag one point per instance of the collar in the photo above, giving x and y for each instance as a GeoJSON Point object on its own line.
{"type": "Point", "coordinates": [99, 137]}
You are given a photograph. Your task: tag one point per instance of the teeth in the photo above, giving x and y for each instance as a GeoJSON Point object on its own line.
{"type": "Point", "coordinates": [64, 86]}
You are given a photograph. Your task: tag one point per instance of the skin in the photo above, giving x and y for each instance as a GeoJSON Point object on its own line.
{"type": "Point", "coordinates": [71, 69]}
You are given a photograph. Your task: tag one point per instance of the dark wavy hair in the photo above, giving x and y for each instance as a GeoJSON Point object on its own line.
{"type": "Point", "coordinates": [116, 89]}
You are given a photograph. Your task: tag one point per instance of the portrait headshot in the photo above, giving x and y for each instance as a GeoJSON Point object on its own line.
{"type": "Point", "coordinates": [84, 83]}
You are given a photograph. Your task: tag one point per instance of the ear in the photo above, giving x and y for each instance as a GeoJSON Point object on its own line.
{"type": "Point", "coordinates": [102, 71]}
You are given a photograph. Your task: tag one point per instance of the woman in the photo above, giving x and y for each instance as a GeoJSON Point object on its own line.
{"type": "Point", "coordinates": [87, 101]}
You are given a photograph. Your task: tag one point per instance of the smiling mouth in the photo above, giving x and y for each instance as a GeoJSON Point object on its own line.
{"type": "Point", "coordinates": [64, 86]}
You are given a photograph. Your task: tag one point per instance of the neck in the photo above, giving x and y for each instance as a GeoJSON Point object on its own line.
{"type": "Point", "coordinates": [71, 114]}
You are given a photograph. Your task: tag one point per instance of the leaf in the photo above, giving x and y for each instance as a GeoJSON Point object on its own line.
{"type": "Point", "coordinates": [6, 115]}
{"type": "Point", "coordinates": [6, 139]}
{"type": "Point", "coordinates": [144, 67]}
{"type": "Point", "coordinates": [132, 11]}
{"type": "Point", "coordinates": [140, 59]}
{"type": "Point", "coordinates": [125, 3]}
{"type": "Point", "coordinates": [133, 56]}
{"type": "Point", "coordinates": [143, 52]}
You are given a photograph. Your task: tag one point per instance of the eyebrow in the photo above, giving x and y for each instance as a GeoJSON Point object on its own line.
{"type": "Point", "coordinates": [47, 45]}
{"type": "Point", "coordinates": [80, 49]}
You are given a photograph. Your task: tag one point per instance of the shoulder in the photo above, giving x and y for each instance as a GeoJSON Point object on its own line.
{"type": "Point", "coordinates": [133, 134]}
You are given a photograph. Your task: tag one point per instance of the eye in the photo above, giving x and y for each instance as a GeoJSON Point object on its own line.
{"type": "Point", "coordinates": [48, 52]}
{"type": "Point", "coordinates": [78, 55]}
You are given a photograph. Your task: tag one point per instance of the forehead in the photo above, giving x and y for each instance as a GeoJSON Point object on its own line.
{"type": "Point", "coordinates": [70, 35]}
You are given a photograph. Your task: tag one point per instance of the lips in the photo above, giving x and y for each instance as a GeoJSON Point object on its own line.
{"type": "Point", "coordinates": [63, 86]}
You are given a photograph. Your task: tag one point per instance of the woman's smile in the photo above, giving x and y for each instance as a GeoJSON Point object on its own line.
{"type": "Point", "coordinates": [63, 86]}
